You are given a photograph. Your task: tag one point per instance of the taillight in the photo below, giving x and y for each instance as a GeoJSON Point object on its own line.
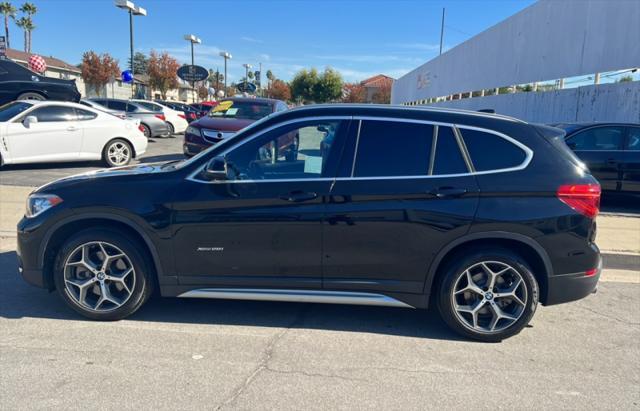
{"type": "Point", "coordinates": [584, 198]}
{"type": "Point", "coordinates": [591, 272]}
{"type": "Point", "coordinates": [161, 117]}
{"type": "Point", "coordinates": [182, 116]}
{"type": "Point", "coordinates": [192, 115]}
{"type": "Point", "coordinates": [140, 127]}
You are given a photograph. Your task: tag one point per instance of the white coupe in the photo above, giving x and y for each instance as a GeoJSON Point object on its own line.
{"type": "Point", "coordinates": [54, 131]}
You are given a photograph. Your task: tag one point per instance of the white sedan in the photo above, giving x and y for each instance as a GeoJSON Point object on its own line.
{"type": "Point", "coordinates": [54, 131]}
{"type": "Point", "coordinates": [176, 120]}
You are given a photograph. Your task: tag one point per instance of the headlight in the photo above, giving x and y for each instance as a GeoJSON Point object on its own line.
{"type": "Point", "coordinates": [193, 130]}
{"type": "Point", "coordinates": [39, 203]}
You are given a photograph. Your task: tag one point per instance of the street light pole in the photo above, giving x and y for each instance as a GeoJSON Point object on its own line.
{"type": "Point", "coordinates": [133, 11]}
{"type": "Point", "coordinates": [226, 56]}
{"type": "Point", "coordinates": [193, 40]}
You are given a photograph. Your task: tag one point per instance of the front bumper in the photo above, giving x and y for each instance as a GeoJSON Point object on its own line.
{"type": "Point", "coordinates": [570, 287]}
{"type": "Point", "coordinates": [27, 250]}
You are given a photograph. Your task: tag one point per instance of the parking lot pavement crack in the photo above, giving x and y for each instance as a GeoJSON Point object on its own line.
{"type": "Point", "coordinates": [314, 375]}
{"type": "Point", "coordinates": [263, 363]}
{"type": "Point", "coordinates": [610, 317]}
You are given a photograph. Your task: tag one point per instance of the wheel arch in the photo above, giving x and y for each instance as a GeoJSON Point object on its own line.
{"type": "Point", "coordinates": [57, 234]}
{"type": "Point", "coordinates": [533, 253]}
{"type": "Point", "coordinates": [40, 92]}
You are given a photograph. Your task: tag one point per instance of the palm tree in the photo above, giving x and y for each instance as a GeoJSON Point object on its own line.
{"type": "Point", "coordinates": [23, 23]}
{"type": "Point", "coordinates": [29, 9]}
{"type": "Point", "coordinates": [9, 11]}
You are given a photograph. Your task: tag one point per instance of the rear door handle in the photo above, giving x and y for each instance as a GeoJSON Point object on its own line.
{"type": "Point", "coordinates": [446, 192]}
{"type": "Point", "coordinates": [299, 196]}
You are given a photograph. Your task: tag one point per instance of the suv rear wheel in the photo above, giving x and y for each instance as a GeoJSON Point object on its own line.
{"type": "Point", "coordinates": [489, 295]}
{"type": "Point", "coordinates": [100, 274]}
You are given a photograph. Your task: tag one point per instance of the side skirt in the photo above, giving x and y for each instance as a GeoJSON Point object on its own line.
{"type": "Point", "coordinates": [302, 296]}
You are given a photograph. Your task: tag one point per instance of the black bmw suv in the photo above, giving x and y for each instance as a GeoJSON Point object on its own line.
{"type": "Point", "coordinates": [480, 215]}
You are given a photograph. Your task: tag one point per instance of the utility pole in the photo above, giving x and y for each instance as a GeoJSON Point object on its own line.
{"type": "Point", "coordinates": [442, 31]}
{"type": "Point", "coordinates": [133, 11]}
{"type": "Point", "coordinates": [226, 56]}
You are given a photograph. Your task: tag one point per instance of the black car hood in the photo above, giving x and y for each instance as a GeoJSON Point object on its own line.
{"type": "Point", "coordinates": [138, 169]}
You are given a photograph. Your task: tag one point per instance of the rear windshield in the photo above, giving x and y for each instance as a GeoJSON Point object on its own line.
{"type": "Point", "coordinates": [10, 110]}
{"type": "Point", "coordinates": [245, 110]}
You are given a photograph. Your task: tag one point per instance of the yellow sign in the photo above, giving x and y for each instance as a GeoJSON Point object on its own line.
{"type": "Point", "coordinates": [223, 106]}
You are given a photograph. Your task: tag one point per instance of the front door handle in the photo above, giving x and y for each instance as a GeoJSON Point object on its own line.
{"type": "Point", "coordinates": [447, 192]}
{"type": "Point", "coordinates": [72, 128]}
{"type": "Point", "coordinates": [299, 196]}
{"type": "Point", "coordinates": [611, 161]}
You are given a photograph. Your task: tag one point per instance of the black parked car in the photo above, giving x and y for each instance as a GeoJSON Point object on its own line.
{"type": "Point", "coordinates": [481, 215]}
{"type": "Point", "coordinates": [611, 151]}
{"type": "Point", "coordinates": [19, 83]}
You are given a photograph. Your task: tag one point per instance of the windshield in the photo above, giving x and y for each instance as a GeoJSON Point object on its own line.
{"type": "Point", "coordinates": [245, 110]}
{"type": "Point", "coordinates": [10, 110]}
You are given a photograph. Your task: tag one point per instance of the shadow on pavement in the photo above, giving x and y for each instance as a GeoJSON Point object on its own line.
{"type": "Point", "coordinates": [21, 300]}
{"type": "Point", "coordinates": [59, 166]}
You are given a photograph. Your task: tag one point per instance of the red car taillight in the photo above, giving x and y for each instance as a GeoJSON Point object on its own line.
{"type": "Point", "coordinates": [584, 198]}
{"type": "Point", "coordinates": [182, 116]}
{"type": "Point", "coordinates": [192, 115]}
{"type": "Point", "coordinates": [140, 127]}
{"type": "Point", "coordinates": [161, 117]}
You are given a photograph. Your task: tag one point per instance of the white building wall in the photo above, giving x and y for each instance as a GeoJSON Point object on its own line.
{"type": "Point", "coordinates": [549, 40]}
{"type": "Point", "coordinates": [615, 102]}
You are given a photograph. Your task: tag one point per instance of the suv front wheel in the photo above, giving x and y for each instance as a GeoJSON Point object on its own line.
{"type": "Point", "coordinates": [101, 274]}
{"type": "Point", "coordinates": [489, 295]}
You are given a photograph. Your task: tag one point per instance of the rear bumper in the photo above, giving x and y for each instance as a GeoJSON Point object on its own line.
{"type": "Point", "coordinates": [571, 287]}
{"type": "Point", "coordinates": [160, 130]}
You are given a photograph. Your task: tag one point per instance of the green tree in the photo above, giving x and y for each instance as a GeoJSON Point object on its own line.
{"type": "Point", "coordinates": [29, 9]}
{"type": "Point", "coordinates": [140, 63]}
{"type": "Point", "coordinates": [304, 85]}
{"type": "Point", "coordinates": [250, 75]}
{"type": "Point", "coordinates": [329, 86]}
{"type": "Point", "coordinates": [625, 79]}
{"type": "Point", "coordinates": [8, 11]}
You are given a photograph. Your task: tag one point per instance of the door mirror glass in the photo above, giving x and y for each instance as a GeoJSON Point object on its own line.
{"type": "Point", "coordinates": [216, 169]}
{"type": "Point", "coordinates": [29, 120]}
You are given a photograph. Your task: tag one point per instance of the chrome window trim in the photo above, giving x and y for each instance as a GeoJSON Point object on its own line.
{"type": "Point", "coordinates": [355, 150]}
{"type": "Point", "coordinates": [455, 127]}
{"type": "Point", "coordinates": [434, 145]}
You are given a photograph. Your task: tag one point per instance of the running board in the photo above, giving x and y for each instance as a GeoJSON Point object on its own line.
{"type": "Point", "coordinates": [298, 296]}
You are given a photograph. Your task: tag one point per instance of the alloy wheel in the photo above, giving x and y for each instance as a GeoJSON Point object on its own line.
{"type": "Point", "coordinates": [119, 153]}
{"type": "Point", "coordinates": [489, 297]}
{"type": "Point", "coordinates": [99, 276]}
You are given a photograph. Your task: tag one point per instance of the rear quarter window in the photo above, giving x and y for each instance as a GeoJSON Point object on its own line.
{"type": "Point", "coordinates": [489, 151]}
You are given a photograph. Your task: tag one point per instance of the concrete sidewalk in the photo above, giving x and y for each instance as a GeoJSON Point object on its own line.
{"type": "Point", "coordinates": [618, 236]}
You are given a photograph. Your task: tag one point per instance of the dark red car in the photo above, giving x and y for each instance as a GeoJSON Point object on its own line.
{"type": "Point", "coordinates": [203, 108]}
{"type": "Point", "coordinates": [225, 120]}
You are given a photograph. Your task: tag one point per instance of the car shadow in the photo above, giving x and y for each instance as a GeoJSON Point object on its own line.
{"type": "Point", "coordinates": [21, 300]}
{"type": "Point", "coordinates": [48, 166]}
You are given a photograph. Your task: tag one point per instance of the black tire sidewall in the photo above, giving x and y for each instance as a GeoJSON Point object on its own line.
{"type": "Point", "coordinates": [105, 152]}
{"type": "Point", "coordinates": [143, 285]}
{"type": "Point", "coordinates": [147, 132]}
{"type": "Point", "coordinates": [460, 264]}
{"type": "Point", "coordinates": [172, 130]}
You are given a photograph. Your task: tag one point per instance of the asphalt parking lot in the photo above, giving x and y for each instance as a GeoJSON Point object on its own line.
{"type": "Point", "coordinates": [208, 354]}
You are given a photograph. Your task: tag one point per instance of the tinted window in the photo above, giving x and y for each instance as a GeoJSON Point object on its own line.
{"type": "Point", "coordinates": [391, 148]}
{"type": "Point", "coordinates": [597, 138]}
{"type": "Point", "coordinates": [633, 142]}
{"type": "Point", "coordinates": [246, 110]}
{"type": "Point", "coordinates": [491, 152]}
{"type": "Point", "coordinates": [85, 114]}
{"type": "Point", "coordinates": [10, 110]}
{"type": "Point", "coordinates": [54, 113]}
{"type": "Point", "coordinates": [291, 152]}
{"type": "Point", "coordinates": [448, 158]}
{"type": "Point", "coordinates": [150, 106]}
{"type": "Point", "coordinates": [117, 105]}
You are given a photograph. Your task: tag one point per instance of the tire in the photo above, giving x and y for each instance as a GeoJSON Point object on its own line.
{"type": "Point", "coordinates": [31, 96]}
{"type": "Point", "coordinates": [117, 153]}
{"type": "Point", "coordinates": [172, 130]}
{"type": "Point", "coordinates": [491, 315]}
{"type": "Point", "coordinates": [125, 296]}
{"type": "Point", "coordinates": [146, 130]}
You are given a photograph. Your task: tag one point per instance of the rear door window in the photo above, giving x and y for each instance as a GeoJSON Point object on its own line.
{"type": "Point", "coordinates": [393, 148]}
{"type": "Point", "coordinates": [597, 139]}
{"type": "Point", "coordinates": [448, 158]}
{"type": "Point", "coordinates": [633, 141]}
{"type": "Point", "coordinates": [117, 105]}
{"type": "Point", "coordinates": [489, 151]}
{"type": "Point", "coordinates": [85, 114]}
